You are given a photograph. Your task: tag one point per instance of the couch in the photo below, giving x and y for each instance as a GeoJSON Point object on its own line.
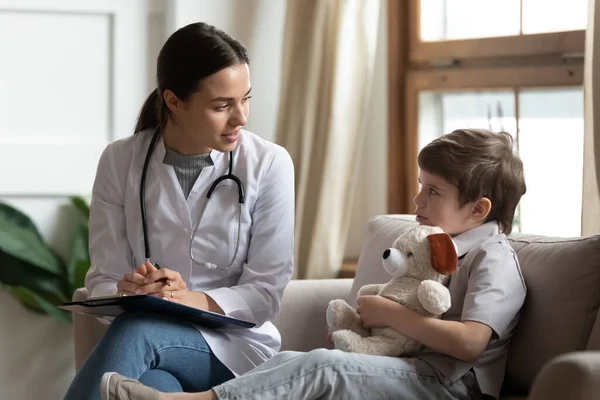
{"type": "Point", "coordinates": [555, 351]}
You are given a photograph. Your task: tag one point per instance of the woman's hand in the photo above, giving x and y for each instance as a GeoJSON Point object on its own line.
{"type": "Point", "coordinates": [141, 282]}
{"type": "Point", "coordinates": [133, 282]}
{"type": "Point", "coordinates": [166, 284]}
{"type": "Point", "coordinates": [376, 311]}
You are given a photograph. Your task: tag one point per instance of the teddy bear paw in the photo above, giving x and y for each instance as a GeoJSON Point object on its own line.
{"type": "Point", "coordinates": [434, 297]}
{"type": "Point", "coordinates": [340, 341]}
{"type": "Point", "coordinates": [334, 314]}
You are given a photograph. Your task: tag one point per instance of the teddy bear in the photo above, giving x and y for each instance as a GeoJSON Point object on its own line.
{"type": "Point", "coordinates": [420, 262]}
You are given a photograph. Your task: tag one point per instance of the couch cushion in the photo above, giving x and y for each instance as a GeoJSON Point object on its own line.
{"type": "Point", "coordinates": [594, 342]}
{"type": "Point", "coordinates": [563, 298]}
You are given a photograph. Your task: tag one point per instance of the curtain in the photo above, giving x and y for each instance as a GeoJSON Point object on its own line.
{"type": "Point", "coordinates": [328, 62]}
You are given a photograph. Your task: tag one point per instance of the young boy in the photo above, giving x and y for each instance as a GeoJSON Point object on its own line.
{"type": "Point", "coordinates": [471, 183]}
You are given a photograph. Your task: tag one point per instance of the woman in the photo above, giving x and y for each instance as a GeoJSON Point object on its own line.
{"type": "Point", "coordinates": [213, 254]}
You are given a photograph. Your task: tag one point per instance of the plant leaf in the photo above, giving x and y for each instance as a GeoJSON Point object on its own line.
{"type": "Point", "coordinates": [16, 272]}
{"type": "Point", "coordinates": [18, 218]}
{"type": "Point", "coordinates": [82, 206]}
{"type": "Point", "coordinates": [23, 242]}
{"type": "Point", "coordinates": [37, 303]}
{"type": "Point", "coordinates": [79, 257]}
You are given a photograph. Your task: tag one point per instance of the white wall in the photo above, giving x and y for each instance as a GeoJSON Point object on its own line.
{"type": "Point", "coordinates": [63, 97]}
{"type": "Point", "coordinates": [73, 75]}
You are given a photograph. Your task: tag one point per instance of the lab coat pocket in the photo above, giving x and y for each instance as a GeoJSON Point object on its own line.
{"type": "Point", "coordinates": [217, 239]}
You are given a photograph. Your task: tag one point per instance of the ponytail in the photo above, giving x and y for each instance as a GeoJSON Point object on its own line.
{"type": "Point", "coordinates": [152, 113]}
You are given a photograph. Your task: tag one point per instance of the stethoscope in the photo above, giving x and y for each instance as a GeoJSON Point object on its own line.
{"type": "Point", "coordinates": [211, 190]}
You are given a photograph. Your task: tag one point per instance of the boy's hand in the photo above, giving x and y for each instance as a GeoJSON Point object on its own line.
{"type": "Point", "coordinates": [376, 311]}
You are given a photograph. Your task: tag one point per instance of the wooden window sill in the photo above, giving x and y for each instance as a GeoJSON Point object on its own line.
{"type": "Point", "coordinates": [348, 269]}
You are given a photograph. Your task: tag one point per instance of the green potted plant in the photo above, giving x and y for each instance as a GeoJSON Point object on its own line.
{"type": "Point", "coordinates": [31, 271]}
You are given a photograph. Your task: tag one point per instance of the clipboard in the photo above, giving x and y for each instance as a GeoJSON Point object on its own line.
{"type": "Point", "coordinates": [112, 306]}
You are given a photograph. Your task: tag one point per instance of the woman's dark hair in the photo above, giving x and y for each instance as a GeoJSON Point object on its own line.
{"type": "Point", "coordinates": [190, 54]}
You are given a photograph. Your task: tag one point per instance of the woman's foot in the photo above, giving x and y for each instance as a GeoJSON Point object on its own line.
{"type": "Point", "coordinates": [116, 387]}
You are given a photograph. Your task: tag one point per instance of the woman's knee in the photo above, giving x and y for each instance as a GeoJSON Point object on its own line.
{"type": "Point", "coordinates": [133, 325]}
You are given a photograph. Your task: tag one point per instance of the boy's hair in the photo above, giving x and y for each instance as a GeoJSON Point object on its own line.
{"type": "Point", "coordinates": [480, 163]}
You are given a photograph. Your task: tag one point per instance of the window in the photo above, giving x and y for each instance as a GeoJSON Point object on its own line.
{"type": "Point", "coordinates": [469, 19]}
{"type": "Point", "coordinates": [501, 69]}
{"type": "Point", "coordinates": [548, 130]}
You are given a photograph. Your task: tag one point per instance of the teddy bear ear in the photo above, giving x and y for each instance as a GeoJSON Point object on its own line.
{"type": "Point", "coordinates": [443, 253]}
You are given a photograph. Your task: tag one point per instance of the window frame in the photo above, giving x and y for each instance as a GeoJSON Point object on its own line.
{"type": "Point", "coordinates": [509, 62]}
{"type": "Point", "coordinates": [523, 45]}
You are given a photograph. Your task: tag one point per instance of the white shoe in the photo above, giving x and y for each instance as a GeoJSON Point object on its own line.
{"type": "Point", "coordinates": [116, 387]}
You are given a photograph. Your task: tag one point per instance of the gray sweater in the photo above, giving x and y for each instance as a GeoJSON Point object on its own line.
{"type": "Point", "coordinates": [187, 168]}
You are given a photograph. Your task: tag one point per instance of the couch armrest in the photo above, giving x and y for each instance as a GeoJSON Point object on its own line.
{"type": "Point", "coordinates": [301, 319]}
{"type": "Point", "coordinates": [573, 376]}
{"type": "Point", "coordinates": [87, 331]}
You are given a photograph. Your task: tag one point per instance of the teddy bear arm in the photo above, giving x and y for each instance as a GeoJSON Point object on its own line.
{"type": "Point", "coordinates": [369, 290]}
{"type": "Point", "coordinates": [434, 297]}
{"type": "Point", "coordinates": [340, 315]}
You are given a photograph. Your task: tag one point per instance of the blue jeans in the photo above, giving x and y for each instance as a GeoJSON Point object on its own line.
{"type": "Point", "coordinates": [332, 374]}
{"type": "Point", "coordinates": [162, 353]}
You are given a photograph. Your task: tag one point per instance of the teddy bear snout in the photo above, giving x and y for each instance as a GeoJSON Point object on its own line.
{"type": "Point", "coordinates": [395, 262]}
{"type": "Point", "coordinates": [386, 253]}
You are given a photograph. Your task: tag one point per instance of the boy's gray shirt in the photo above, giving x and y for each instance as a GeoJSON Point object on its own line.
{"type": "Point", "coordinates": [488, 287]}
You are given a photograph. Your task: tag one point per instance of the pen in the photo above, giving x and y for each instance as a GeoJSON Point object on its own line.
{"type": "Point", "coordinates": [164, 280]}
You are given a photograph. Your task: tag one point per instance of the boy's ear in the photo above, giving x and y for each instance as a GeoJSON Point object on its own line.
{"type": "Point", "coordinates": [481, 209]}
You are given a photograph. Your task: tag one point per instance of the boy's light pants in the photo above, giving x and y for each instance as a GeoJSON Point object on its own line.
{"type": "Point", "coordinates": [332, 374]}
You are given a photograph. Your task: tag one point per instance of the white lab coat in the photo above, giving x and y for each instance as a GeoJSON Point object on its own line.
{"type": "Point", "coordinates": [252, 288]}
